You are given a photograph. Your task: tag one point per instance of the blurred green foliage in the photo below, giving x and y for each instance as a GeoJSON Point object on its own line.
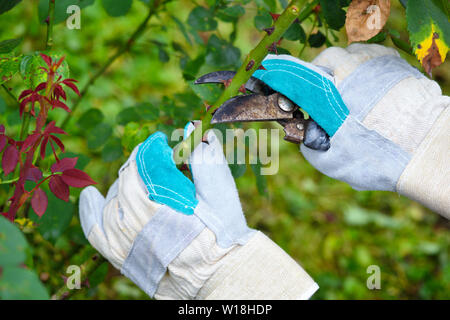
{"type": "Point", "coordinates": [333, 231]}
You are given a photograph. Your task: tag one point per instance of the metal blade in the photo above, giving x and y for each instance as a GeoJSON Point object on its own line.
{"type": "Point", "coordinates": [253, 107]}
{"type": "Point", "coordinates": [253, 84]}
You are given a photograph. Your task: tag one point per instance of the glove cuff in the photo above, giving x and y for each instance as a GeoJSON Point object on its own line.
{"type": "Point", "coordinates": [258, 270]}
{"type": "Point", "coordinates": [426, 178]}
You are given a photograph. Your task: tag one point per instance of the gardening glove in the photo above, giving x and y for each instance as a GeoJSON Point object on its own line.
{"type": "Point", "coordinates": [389, 125]}
{"type": "Point", "coordinates": [181, 240]}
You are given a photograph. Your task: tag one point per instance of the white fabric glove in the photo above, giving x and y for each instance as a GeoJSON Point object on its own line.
{"type": "Point", "coordinates": [409, 111]}
{"type": "Point", "coordinates": [178, 245]}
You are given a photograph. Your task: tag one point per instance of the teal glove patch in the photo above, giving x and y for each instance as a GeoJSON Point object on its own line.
{"type": "Point", "coordinates": [308, 88]}
{"type": "Point", "coordinates": [164, 182]}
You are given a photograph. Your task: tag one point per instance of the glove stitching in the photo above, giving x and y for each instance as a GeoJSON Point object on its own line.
{"type": "Point", "coordinates": [296, 67]}
{"type": "Point", "coordinates": [334, 97]}
{"type": "Point", "coordinates": [335, 111]}
{"type": "Point", "coordinates": [146, 145]}
{"type": "Point", "coordinates": [146, 175]}
{"type": "Point", "coordinates": [296, 75]}
{"type": "Point", "coordinates": [156, 185]}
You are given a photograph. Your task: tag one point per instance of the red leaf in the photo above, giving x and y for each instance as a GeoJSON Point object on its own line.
{"type": "Point", "coordinates": [10, 159]}
{"type": "Point", "coordinates": [44, 146]}
{"type": "Point", "coordinates": [2, 142]}
{"type": "Point", "coordinates": [47, 59]}
{"type": "Point", "coordinates": [34, 174]}
{"type": "Point", "coordinates": [30, 140]}
{"type": "Point", "coordinates": [25, 93]}
{"type": "Point", "coordinates": [59, 188]}
{"type": "Point", "coordinates": [58, 142]}
{"type": "Point", "coordinates": [51, 128]}
{"type": "Point", "coordinates": [59, 104]}
{"type": "Point", "coordinates": [39, 202]}
{"type": "Point", "coordinates": [2, 129]}
{"type": "Point", "coordinates": [57, 64]}
{"type": "Point", "coordinates": [59, 92]}
{"type": "Point", "coordinates": [77, 178]}
{"type": "Point", "coordinates": [71, 86]}
{"type": "Point", "coordinates": [69, 80]}
{"type": "Point", "coordinates": [40, 86]}
{"type": "Point", "coordinates": [64, 164]}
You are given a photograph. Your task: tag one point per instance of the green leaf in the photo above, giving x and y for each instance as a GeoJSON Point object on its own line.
{"type": "Point", "coordinates": [333, 13]}
{"type": "Point", "coordinates": [60, 9]}
{"type": "Point", "coordinates": [112, 151]}
{"type": "Point", "coordinates": [90, 118]}
{"type": "Point", "coordinates": [191, 67]}
{"type": "Point", "coordinates": [270, 5]}
{"type": "Point", "coordinates": [9, 66]}
{"type": "Point", "coordinates": [128, 115]}
{"type": "Point", "coordinates": [143, 111]}
{"type": "Point", "coordinates": [6, 5]}
{"type": "Point", "coordinates": [295, 32]}
{"type": "Point", "coordinates": [261, 181]}
{"type": "Point", "coordinates": [231, 14]}
{"type": "Point", "coordinates": [399, 43]}
{"type": "Point", "coordinates": [147, 111]}
{"type": "Point", "coordinates": [21, 284]}
{"type": "Point", "coordinates": [2, 105]}
{"type": "Point", "coordinates": [56, 219]}
{"type": "Point", "coordinates": [429, 31]}
{"type": "Point", "coordinates": [263, 20]}
{"type": "Point", "coordinates": [380, 37]}
{"type": "Point", "coordinates": [237, 170]}
{"type": "Point", "coordinates": [208, 92]}
{"type": "Point", "coordinates": [163, 55]}
{"type": "Point", "coordinates": [99, 275]}
{"type": "Point", "coordinates": [7, 46]}
{"type": "Point", "coordinates": [133, 135]}
{"type": "Point", "coordinates": [222, 54]}
{"type": "Point", "coordinates": [13, 245]}
{"type": "Point", "coordinates": [182, 29]}
{"type": "Point", "coordinates": [117, 8]}
{"type": "Point", "coordinates": [316, 40]}
{"type": "Point", "coordinates": [99, 135]}
{"type": "Point", "coordinates": [202, 19]}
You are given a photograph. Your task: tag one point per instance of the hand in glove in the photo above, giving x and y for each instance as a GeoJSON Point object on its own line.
{"type": "Point", "coordinates": [388, 124]}
{"type": "Point", "coordinates": [181, 240]}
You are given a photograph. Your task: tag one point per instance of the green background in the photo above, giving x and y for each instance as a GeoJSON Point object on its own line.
{"type": "Point", "coordinates": [333, 231]}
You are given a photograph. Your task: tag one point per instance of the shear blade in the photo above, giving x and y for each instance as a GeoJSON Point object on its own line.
{"type": "Point", "coordinates": [253, 84]}
{"type": "Point", "coordinates": [252, 107]}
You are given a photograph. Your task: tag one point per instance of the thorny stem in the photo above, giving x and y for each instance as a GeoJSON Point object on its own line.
{"type": "Point", "coordinates": [50, 21]}
{"type": "Point", "coordinates": [124, 48]}
{"type": "Point", "coordinates": [182, 150]}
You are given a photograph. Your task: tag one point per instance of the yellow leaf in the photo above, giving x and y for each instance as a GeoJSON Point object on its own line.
{"type": "Point", "coordinates": [432, 51]}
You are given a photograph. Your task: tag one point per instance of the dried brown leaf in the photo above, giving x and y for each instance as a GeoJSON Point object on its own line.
{"type": "Point", "coordinates": [366, 18]}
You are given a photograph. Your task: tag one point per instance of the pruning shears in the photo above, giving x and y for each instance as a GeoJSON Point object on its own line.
{"type": "Point", "coordinates": [265, 104]}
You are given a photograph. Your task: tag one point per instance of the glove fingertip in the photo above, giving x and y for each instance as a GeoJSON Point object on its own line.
{"type": "Point", "coordinates": [91, 208]}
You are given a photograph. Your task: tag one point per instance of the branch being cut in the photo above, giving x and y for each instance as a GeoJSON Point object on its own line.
{"type": "Point", "coordinates": [251, 63]}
